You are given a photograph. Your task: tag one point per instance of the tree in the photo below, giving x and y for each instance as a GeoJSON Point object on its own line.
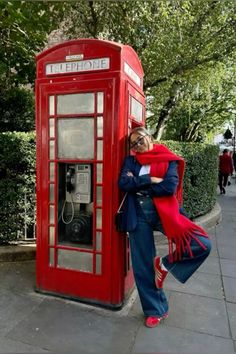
{"type": "Point", "coordinates": [179, 44]}
{"type": "Point", "coordinates": [16, 110]}
{"type": "Point", "coordinates": [24, 26]}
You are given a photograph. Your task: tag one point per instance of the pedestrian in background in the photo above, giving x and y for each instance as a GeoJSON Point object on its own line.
{"type": "Point", "coordinates": [153, 180]}
{"type": "Point", "coordinates": [225, 170]}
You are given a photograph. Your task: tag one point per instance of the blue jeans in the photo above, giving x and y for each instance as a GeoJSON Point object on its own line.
{"type": "Point", "coordinates": [143, 252]}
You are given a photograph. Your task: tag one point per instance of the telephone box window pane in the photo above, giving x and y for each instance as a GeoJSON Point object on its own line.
{"type": "Point", "coordinates": [51, 149]}
{"type": "Point", "coordinates": [99, 195]}
{"type": "Point", "coordinates": [98, 241]}
{"type": "Point", "coordinates": [52, 189]}
{"type": "Point", "coordinates": [136, 110]}
{"type": "Point", "coordinates": [51, 105]}
{"type": "Point", "coordinates": [76, 138]}
{"type": "Point", "coordinates": [52, 172]}
{"type": "Point", "coordinates": [100, 102]}
{"type": "Point", "coordinates": [75, 260]}
{"type": "Point", "coordinates": [51, 257]}
{"type": "Point", "coordinates": [51, 214]}
{"type": "Point", "coordinates": [51, 235]}
{"type": "Point", "coordinates": [98, 264]}
{"type": "Point", "coordinates": [99, 172]}
{"type": "Point", "coordinates": [77, 103]}
{"type": "Point", "coordinates": [99, 219]}
{"type": "Point", "coordinates": [99, 149]}
{"type": "Point", "coordinates": [51, 128]}
{"type": "Point", "coordinates": [100, 127]}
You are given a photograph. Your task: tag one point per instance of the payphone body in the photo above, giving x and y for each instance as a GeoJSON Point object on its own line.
{"type": "Point", "coordinates": [89, 94]}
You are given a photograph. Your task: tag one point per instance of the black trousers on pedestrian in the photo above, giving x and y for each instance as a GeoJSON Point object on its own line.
{"type": "Point", "coordinates": [223, 180]}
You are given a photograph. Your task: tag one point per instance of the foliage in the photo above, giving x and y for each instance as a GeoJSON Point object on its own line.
{"type": "Point", "coordinates": [185, 47]}
{"type": "Point", "coordinates": [17, 179]}
{"type": "Point", "coordinates": [201, 175]}
{"type": "Point", "coordinates": [16, 110]}
{"type": "Point", "coordinates": [24, 26]}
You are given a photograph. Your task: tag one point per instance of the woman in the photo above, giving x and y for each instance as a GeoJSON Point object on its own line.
{"type": "Point", "coordinates": [153, 178]}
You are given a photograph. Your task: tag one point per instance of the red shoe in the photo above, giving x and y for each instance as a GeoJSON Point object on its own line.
{"type": "Point", "coordinates": [152, 321]}
{"type": "Point", "coordinates": [160, 274]}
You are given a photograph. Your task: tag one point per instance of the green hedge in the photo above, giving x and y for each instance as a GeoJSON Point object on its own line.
{"type": "Point", "coordinates": [17, 180]}
{"type": "Point", "coordinates": [201, 175]}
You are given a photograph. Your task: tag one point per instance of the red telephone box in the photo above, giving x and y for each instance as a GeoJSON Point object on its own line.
{"type": "Point", "coordinates": [88, 95]}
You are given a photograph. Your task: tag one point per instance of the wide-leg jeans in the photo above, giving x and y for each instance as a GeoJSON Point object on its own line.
{"type": "Point", "coordinates": [143, 252]}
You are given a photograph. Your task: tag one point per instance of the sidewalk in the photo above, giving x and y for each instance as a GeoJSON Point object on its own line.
{"type": "Point", "coordinates": [202, 315]}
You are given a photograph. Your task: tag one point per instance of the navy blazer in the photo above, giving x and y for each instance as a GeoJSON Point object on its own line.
{"type": "Point", "coordinates": [136, 183]}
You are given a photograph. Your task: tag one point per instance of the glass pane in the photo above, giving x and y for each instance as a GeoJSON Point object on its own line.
{"type": "Point", "coordinates": [99, 172]}
{"type": "Point", "coordinates": [75, 260]}
{"type": "Point", "coordinates": [51, 105]}
{"type": "Point", "coordinates": [52, 149]}
{"type": "Point", "coordinates": [52, 171]}
{"type": "Point", "coordinates": [51, 214]}
{"type": "Point", "coordinates": [100, 102]}
{"type": "Point", "coordinates": [100, 127]}
{"type": "Point", "coordinates": [99, 150]}
{"type": "Point", "coordinates": [98, 264]}
{"type": "Point", "coordinates": [75, 103]}
{"type": "Point", "coordinates": [136, 109]}
{"type": "Point", "coordinates": [52, 188]}
{"type": "Point", "coordinates": [51, 127]}
{"type": "Point", "coordinates": [76, 138]}
{"type": "Point", "coordinates": [51, 235]}
{"type": "Point", "coordinates": [99, 219]}
{"type": "Point", "coordinates": [99, 195]}
{"type": "Point", "coordinates": [51, 257]}
{"type": "Point", "coordinates": [98, 241]}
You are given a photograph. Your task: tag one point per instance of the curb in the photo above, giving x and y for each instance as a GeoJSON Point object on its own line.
{"type": "Point", "coordinates": [210, 219]}
{"type": "Point", "coordinates": [17, 253]}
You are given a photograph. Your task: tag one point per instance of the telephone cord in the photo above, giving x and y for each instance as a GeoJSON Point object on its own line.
{"type": "Point", "coordinates": [72, 211]}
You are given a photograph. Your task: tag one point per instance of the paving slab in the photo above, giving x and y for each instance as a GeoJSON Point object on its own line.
{"type": "Point", "coordinates": [210, 266]}
{"type": "Point", "coordinates": [167, 339]}
{"type": "Point", "coordinates": [15, 346]}
{"type": "Point", "coordinates": [228, 267]}
{"type": "Point", "coordinates": [57, 324]}
{"type": "Point", "coordinates": [232, 318]}
{"type": "Point", "coordinates": [202, 284]}
{"type": "Point", "coordinates": [198, 313]}
{"type": "Point", "coordinates": [230, 288]}
{"type": "Point", "coordinates": [227, 250]}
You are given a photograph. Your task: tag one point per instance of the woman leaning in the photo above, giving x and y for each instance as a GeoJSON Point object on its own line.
{"type": "Point", "coordinates": [153, 178]}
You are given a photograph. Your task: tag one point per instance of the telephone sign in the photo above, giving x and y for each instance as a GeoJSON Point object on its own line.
{"type": "Point", "coordinates": [77, 66]}
{"type": "Point", "coordinates": [88, 96]}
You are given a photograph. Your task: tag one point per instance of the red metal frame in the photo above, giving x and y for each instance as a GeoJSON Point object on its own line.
{"type": "Point", "coordinates": [112, 286]}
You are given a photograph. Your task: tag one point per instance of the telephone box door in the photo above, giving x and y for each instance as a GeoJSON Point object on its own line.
{"type": "Point", "coordinates": [75, 190]}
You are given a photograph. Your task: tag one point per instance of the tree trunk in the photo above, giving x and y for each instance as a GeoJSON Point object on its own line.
{"type": "Point", "coordinates": [167, 109]}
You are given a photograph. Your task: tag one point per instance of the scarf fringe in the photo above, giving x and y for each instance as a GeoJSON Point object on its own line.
{"type": "Point", "coordinates": [181, 244]}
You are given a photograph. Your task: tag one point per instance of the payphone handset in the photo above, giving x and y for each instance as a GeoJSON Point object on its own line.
{"type": "Point", "coordinates": [78, 183]}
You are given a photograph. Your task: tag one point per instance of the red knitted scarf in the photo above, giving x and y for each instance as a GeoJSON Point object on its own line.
{"type": "Point", "coordinates": [178, 229]}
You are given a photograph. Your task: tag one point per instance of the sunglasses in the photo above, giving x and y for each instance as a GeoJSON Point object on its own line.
{"type": "Point", "coordinates": [139, 142]}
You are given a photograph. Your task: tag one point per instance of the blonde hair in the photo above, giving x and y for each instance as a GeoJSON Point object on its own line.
{"type": "Point", "coordinates": [140, 129]}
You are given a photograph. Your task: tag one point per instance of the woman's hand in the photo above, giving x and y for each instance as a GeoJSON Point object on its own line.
{"type": "Point", "coordinates": [156, 179]}
{"type": "Point", "coordinates": [130, 174]}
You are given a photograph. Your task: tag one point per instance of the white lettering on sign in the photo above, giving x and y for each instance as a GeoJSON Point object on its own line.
{"type": "Point", "coordinates": [78, 66]}
{"type": "Point", "coordinates": [132, 74]}
{"type": "Point", "coordinates": [74, 57]}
